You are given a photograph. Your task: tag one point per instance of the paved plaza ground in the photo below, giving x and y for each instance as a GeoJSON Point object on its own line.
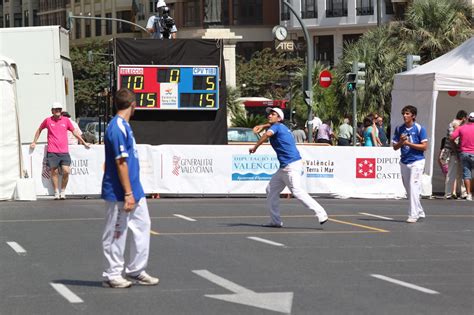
{"type": "Point", "coordinates": [213, 257]}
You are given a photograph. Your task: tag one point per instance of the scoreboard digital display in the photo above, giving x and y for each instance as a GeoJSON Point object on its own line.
{"type": "Point", "coordinates": [171, 87]}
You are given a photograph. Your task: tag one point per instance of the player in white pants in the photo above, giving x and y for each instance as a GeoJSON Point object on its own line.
{"type": "Point", "coordinates": [412, 139]}
{"type": "Point", "coordinates": [291, 168]}
{"type": "Point", "coordinates": [114, 238]}
{"type": "Point", "coordinates": [121, 188]}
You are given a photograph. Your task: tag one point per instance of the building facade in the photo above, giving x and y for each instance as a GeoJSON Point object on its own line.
{"type": "Point", "coordinates": [244, 25]}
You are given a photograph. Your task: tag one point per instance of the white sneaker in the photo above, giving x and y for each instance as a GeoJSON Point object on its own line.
{"type": "Point", "coordinates": [144, 279]}
{"type": "Point", "coordinates": [273, 225]}
{"type": "Point", "coordinates": [117, 283]}
{"type": "Point", "coordinates": [56, 195]}
{"type": "Point", "coordinates": [323, 220]}
{"type": "Point", "coordinates": [469, 197]}
{"type": "Point", "coordinates": [62, 195]}
{"type": "Point", "coordinates": [411, 220]}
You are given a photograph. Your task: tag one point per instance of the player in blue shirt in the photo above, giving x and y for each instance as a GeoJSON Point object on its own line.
{"type": "Point", "coordinates": [126, 205]}
{"type": "Point", "coordinates": [412, 140]}
{"type": "Point", "coordinates": [291, 168]}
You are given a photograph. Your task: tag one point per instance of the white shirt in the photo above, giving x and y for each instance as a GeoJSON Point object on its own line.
{"type": "Point", "coordinates": [316, 123]}
{"type": "Point", "coordinates": [157, 32]}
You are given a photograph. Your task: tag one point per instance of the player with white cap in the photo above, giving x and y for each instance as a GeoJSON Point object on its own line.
{"type": "Point", "coordinates": [290, 171]}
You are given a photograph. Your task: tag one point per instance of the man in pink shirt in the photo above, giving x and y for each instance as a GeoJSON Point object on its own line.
{"type": "Point", "coordinates": [466, 146]}
{"type": "Point", "coordinates": [58, 148]}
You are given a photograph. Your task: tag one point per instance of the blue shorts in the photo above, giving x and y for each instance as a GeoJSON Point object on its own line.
{"type": "Point", "coordinates": [467, 160]}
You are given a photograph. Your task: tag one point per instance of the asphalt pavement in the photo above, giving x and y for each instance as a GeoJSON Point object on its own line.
{"type": "Point", "coordinates": [213, 257]}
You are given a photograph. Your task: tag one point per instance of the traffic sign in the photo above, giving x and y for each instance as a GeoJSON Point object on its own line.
{"type": "Point", "coordinates": [325, 78]}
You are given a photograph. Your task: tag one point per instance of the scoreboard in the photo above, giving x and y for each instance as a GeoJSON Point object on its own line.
{"type": "Point", "coordinates": [172, 87]}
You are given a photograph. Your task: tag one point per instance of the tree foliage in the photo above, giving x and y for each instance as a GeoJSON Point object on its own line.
{"type": "Point", "coordinates": [266, 74]}
{"type": "Point", "coordinates": [90, 77]}
{"type": "Point", "coordinates": [431, 28]}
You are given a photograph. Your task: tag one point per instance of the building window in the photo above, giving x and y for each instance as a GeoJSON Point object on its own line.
{"type": "Point", "coordinates": [285, 12]}
{"type": "Point", "coordinates": [98, 26]}
{"type": "Point", "coordinates": [309, 9]}
{"type": "Point", "coordinates": [248, 12]}
{"type": "Point", "coordinates": [216, 12]}
{"type": "Point", "coordinates": [153, 8]}
{"type": "Point", "coordinates": [191, 13]}
{"type": "Point", "coordinates": [124, 27]}
{"type": "Point", "coordinates": [88, 28]}
{"type": "Point", "coordinates": [77, 27]}
{"type": "Point", "coordinates": [325, 49]}
{"type": "Point", "coordinates": [7, 20]}
{"type": "Point", "coordinates": [336, 8]}
{"type": "Point", "coordinates": [17, 20]}
{"type": "Point", "coordinates": [36, 21]}
{"type": "Point", "coordinates": [348, 39]}
{"type": "Point", "coordinates": [364, 7]}
{"type": "Point", "coordinates": [1, 21]}
{"type": "Point", "coordinates": [388, 7]}
{"type": "Point", "coordinates": [26, 17]}
{"type": "Point", "coordinates": [247, 49]}
{"type": "Point", "coordinates": [108, 24]}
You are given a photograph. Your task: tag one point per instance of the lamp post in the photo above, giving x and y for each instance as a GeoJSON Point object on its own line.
{"type": "Point", "coordinates": [308, 91]}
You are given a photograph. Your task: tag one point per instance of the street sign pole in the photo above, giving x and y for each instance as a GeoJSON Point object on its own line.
{"type": "Point", "coordinates": [355, 69]}
{"type": "Point", "coordinates": [309, 68]}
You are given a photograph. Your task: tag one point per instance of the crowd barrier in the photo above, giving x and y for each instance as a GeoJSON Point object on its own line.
{"type": "Point", "coordinates": [343, 172]}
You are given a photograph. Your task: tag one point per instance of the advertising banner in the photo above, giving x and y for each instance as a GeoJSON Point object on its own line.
{"type": "Point", "coordinates": [343, 172]}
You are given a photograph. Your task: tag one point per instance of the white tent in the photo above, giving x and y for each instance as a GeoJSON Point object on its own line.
{"type": "Point", "coordinates": [9, 134]}
{"type": "Point", "coordinates": [427, 87]}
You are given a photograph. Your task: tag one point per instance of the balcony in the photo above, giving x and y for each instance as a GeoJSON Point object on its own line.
{"type": "Point", "coordinates": [365, 11]}
{"type": "Point", "coordinates": [336, 13]}
{"type": "Point", "coordinates": [309, 14]}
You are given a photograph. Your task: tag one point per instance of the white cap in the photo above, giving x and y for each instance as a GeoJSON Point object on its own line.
{"type": "Point", "coordinates": [56, 105]}
{"type": "Point", "coordinates": [471, 116]}
{"type": "Point", "coordinates": [276, 110]}
{"type": "Point", "coordinates": [160, 4]}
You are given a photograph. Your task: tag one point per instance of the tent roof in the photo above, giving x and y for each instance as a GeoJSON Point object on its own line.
{"type": "Point", "coordinates": [452, 71]}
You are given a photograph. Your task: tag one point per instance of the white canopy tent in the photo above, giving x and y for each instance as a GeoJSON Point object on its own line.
{"type": "Point", "coordinates": [9, 132]}
{"type": "Point", "coordinates": [427, 87]}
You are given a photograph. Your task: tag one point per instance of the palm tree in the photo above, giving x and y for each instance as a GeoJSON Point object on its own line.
{"type": "Point", "coordinates": [437, 26]}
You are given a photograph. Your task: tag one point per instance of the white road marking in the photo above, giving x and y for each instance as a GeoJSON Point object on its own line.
{"type": "Point", "coordinates": [405, 284]}
{"type": "Point", "coordinates": [66, 293]}
{"type": "Point", "coordinates": [258, 239]}
{"type": "Point", "coordinates": [375, 216]}
{"type": "Point", "coordinates": [184, 217]}
{"type": "Point", "coordinates": [275, 301]}
{"type": "Point", "coordinates": [17, 248]}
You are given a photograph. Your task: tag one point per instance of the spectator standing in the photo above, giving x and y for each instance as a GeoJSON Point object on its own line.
{"type": "Point", "coordinates": [291, 168]}
{"type": "Point", "coordinates": [370, 138]}
{"type": "Point", "coordinates": [71, 139]}
{"type": "Point", "coordinates": [317, 122]}
{"type": "Point", "coordinates": [161, 25]}
{"type": "Point", "coordinates": [299, 135]}
{"type": "Point", "coordinates": [412, 140]}
{"type": "Point", "coordinates": [325, 134]}
{"type": "Point", "coordinates": [466, 145]}
{"type": "Point", "coordinates": [345, 133]}
{"type": "Point", "coordinates": [454, 175]}
{"type": "Point", "coordinates": [57, 155]}
{"type": "Point", "coordinates": [381, 132]}
{"type": "Point", "coordinates": [121, 189]}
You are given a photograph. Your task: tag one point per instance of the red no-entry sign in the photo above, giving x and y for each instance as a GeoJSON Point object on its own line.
{"type": "Point", "coordinates": [325, 78]}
